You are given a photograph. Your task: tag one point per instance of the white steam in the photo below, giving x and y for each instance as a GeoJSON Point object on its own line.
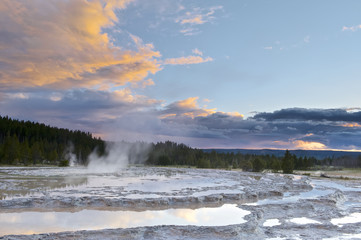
{"type": "Point", "coordinates": [69, 155]}
{"type": "Point", "coordinates": [117, 156]}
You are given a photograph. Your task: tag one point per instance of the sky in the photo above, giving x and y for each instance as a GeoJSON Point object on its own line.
{"type": "Point", "coordinates": [211, 74]}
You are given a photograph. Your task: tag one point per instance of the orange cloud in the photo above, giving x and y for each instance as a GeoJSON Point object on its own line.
{"type": "Point", "coordinates": [188, 103]}
{"type": "Point", "coordinates": [192, 104]}
{"type": "Point", "coordinates": [186, 108]}
{"type": "Point", "coordinates": [305, 145]}
{"type": "Point", "coordinates": [61, 44]}
{"type": "Point", "coordinates": [146, 83]}
{"type": "Point", "coordinates": [127, 96]}
{"type": "Point", "coordinates": [233, 114]}
{"type": "Point", "coordinates": [198, 19]}
{"type": "Point", "coordinates": [198, 16]}
{"type": "Point", "coordinates": [351, 125]}
{"type": "Point", "coordinates": [168, 115]}
{"type": "Point", "coordinates": [190, 108]}
{"type": "Point", "coordinates": [187, 60]}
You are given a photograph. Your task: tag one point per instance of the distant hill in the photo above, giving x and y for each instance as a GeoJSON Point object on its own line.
{"type": "Point", "coordinates": [318, 154]}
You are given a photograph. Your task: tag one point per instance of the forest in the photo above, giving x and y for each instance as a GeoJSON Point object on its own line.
{"type": "Point", "coordinates": [170, 153]}
{"type": "Point", "coordinates": [28, 143]}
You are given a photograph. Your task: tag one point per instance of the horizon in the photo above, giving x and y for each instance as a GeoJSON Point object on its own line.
{"type": "Point", "coordinates": [228, 75]}
{"type": "Point", "coordinates": [214, 148]}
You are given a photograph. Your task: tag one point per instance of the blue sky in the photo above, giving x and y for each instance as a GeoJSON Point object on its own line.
{"type": "Point", "coordinates": [205, 73]}
{"type": "Point", "coordinates": [287, 53]}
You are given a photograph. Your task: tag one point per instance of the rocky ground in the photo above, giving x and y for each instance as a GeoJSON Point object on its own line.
{"type": "Point", "coordinates": [280, 206]}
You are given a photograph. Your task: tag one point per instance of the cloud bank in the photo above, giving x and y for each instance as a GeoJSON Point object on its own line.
{"type": "Point", "coordinates": [123, 115]}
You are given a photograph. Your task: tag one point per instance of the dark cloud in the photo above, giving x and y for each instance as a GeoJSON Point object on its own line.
{"type": "Point", "coordinates": [311, 115]}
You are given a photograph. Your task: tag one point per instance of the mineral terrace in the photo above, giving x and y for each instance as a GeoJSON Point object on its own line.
{"type": "Point", "coordinates": [175, 203]}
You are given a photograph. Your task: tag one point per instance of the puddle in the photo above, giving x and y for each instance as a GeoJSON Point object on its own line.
{"type": "Point", "coordinates": [271, 222]}
{"type": "Point", "coordinates": [23, 222]}
{"type": "Point", "coordinates": [334, 185]}
{"type": "Point", "coordinates": [294, 237]}
{"type": "Point", "coordinates": [345, 236]}
{"type": "Point", "coordinates": [320, 189]}
{"type": "Point", "coordinates": [288, 198]}
{"type": "Point", "coordinates": [352, 218]}
{"type": "Point", "coordinates": [304, 220]}
{"type": "Point", "coordinates": [220, 191]}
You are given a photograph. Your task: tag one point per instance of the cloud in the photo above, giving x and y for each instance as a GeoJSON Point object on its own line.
{"type": "Point", "coordinates": [277, 44]}
{"type": "Point", "coordinates": [302, 114]}
{"type": "Point", "coordinates": [62, 45]}
{"type": "Point", "coordinates": [84, 109]}
{"type": "Point", "coordinates": [189, 31]}
{"type": "Point", "coordinates": [352, 28]}
{"type": "Point", "coordinates": [125, 115]}
{"type": "Point", "coordinates": [198, 16]}
{"type": "Point", "coordinates": [307, 39]}
{"type": "Point", "coordinates": [351, 125]}
{"type": "Point", "coordinates": [187, 108]}
{"type": "Point", "coordinates": [197, 52]}
{"type": "Point", "coordinates": [229, 130]}
{"type": "Point", "coordinates": [187, 103]}
{"type": "Point", "coordinates": [148, 82]}
{"type": "Point", "coordinates": [299, 144]}
{"type": "Point", "coordinates": [187, 60]}
{"type": "Point", "coordinates": [59, 65]}
{"type": "Point", "coordinates": [18, 95]}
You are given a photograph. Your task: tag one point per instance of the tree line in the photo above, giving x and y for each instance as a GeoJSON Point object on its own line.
{"type": "Point", "coordinates": [30, 143]}
{"type": "Point", "coordinates": [170, 153]}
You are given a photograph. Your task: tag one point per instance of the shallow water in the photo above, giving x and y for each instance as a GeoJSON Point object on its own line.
{"type": "Point", "coordinates": [304, 220]}
{"type": "Point", "coordinates": [44, 222]}
{"type": "Point", "coordinates": [135, 182]}
{"type": "Point", "coordinates": [271, 222]}
{"type": "Point", "coordinates": [352, 218]}
{"type": "Point", "coordinates": [133, 197]}
{"type": "Point", "coordinates": [320, 189]}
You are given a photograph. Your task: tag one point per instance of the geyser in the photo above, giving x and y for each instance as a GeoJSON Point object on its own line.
{"type": "Point", "coordinates": [118, 155]}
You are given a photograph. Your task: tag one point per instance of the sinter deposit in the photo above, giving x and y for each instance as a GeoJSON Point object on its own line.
{"type": "Point", "coordinates": [175, 203]}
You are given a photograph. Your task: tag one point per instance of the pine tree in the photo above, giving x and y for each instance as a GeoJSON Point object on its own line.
{"type": "Point", "coordinates": [11, 149]}
{"type": "Point", "coordinates": [258, 165]}
{"type": "Point", "coordinates": [276, 165]}
{"type": "Point", "coordinates": [287, 163]}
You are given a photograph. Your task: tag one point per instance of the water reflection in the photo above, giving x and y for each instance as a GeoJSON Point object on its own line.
{"type": "Point", "coordinates": [304, 220]}
{"type": "Point", "coordinates": [23, 222]}
{"type": "Point", "coordinates": [271, 222]}
{"type": "Point", "coordinates": [352, 218]}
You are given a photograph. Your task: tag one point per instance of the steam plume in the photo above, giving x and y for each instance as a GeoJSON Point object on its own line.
{"type": "Point", "coordinates": [118, 155]}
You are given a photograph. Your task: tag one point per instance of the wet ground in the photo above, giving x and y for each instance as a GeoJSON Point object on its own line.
{"type": "Point", "coordinates": [175, 203]}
